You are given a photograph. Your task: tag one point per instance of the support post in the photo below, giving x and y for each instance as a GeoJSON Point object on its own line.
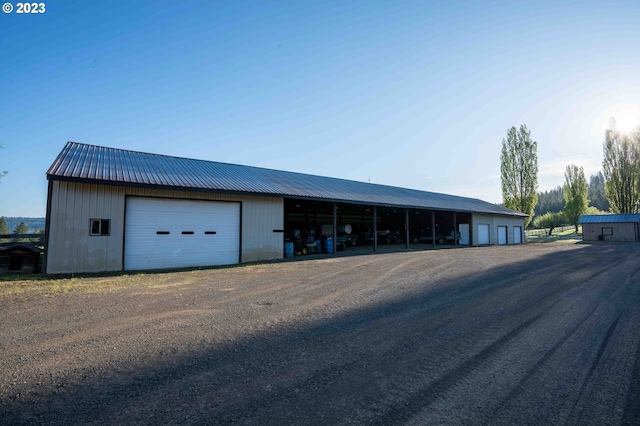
{"type": "Point", "coordinates": [455, 232]}
{"type": "Point", "coordinates": [433, 228]}
{"type": "Point", "coordinates": [406, 228]}
{"type": "Point", "coordinates": [335, 228]}
{"type": "Point", "coordinates": [375, 228]}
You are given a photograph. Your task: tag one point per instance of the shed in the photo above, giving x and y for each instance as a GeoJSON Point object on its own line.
{"type": "Point", "coordinates": [610, 227]}
{"type": "Point", "coordinates": [112, 209]}
{"type": "Point", "coordinates": [19, 257]}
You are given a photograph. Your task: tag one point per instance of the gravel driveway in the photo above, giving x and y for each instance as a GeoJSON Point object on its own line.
{"type": "Point", "coordinates": [534, 334]}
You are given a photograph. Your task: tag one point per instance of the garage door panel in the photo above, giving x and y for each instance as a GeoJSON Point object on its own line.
{"type": "Point", "coordinates": [517, 235]}
{"type": "Point", "coordinates": [179, 258]}
{"type": "Point", "coordinates": [162, 233]}
{"type": "Point", "coordinates": [483, 234]}
{"type": "Point", "coordinates": [502, 235]}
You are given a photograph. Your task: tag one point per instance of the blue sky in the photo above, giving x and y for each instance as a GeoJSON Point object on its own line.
{"type": "Point", "coordinates": [417, 94]}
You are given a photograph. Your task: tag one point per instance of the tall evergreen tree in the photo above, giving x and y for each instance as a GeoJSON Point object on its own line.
{"type": "Point", "coordinates": [551, 201]}
{"type": "Point", "coordinates": [597, 196]}
{"type": "Point", "coordinates": [575, 194]}
{"type": "Point", "coordinates": [519, 171]}
{"type": "Point", "coordinates": [22, 228]}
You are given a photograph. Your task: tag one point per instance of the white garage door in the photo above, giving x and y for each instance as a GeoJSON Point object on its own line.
{"type": "Point", "coordinates": [502, 235]}
{"type": "Point", "coordinates": [162, 233]}
{"type": "Point", "coordinates": [464, 234]}
{"type": "Point", "coordinates": [517, 235]}
{"type": "Point", "coordinates": [483, 234]}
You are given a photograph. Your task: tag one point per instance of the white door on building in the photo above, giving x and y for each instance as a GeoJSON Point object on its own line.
{"type": "Point", "coordinates": [517, 235]}
{"type": "Point", "coordinates": [464, 234]}
{"type": "Point", "coordinates": [502, 235]}
{"type": "Point", "coordinates": [165, 233]}
{"type": "Point", "coordinates": [483, 234]}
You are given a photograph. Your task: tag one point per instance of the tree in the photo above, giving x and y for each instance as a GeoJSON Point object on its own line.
{"type": "Point", "coordinates": [549, 201]}
{"type": "Point", "coordinates": [21, 229]}
{"type": "Point", "coordinates": [519, 171]}
{"type": "Point", "coordinates": [621, 168]}
{"type": "Point", "coordinates": [4, 229]}
{"type": "Point", "coordinates": [594, 210]}
{"type": "Point", "coordinates": [550, 220]}
{"type": "Point", "coordinates": [597, 197]}
{"type": "Point", "coordinates": [575, 192]}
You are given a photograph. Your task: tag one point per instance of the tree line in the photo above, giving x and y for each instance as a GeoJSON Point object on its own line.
{"type": "Point", "coordinates": [615, 189]}
{"type": "Point", "coordinates": [21, 228]}
{"type": "Point", "coordinates": [552, 201]}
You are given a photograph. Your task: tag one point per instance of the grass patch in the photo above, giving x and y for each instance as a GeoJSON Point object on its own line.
{"type": "Point", "coordinates": [568, 236]}
{"type": "Point", "coordinates": [46, 285]}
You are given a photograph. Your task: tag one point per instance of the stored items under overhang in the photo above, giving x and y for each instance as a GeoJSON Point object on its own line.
{"type": "Point", "coordinates": [166, 233]}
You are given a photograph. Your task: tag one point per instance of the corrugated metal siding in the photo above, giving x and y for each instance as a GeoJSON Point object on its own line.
{"type": "Point", "coordinates": [610, 218]}
{"type": "Point", "coordinates": [71, 249]}
{"type": "Point", "coordinates": [261, 216]}
{"type": "Point", "coordinates": [80, 162]}
{"type": "Point", "coordinates": [493, 222]}
{"type": "Point", "coordinates": [621, 231]}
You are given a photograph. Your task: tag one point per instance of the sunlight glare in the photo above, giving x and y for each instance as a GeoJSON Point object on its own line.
{"type": "Point", "coordinates": [627, 118]}
{"type": "Point", "coordinates": [627, 123]}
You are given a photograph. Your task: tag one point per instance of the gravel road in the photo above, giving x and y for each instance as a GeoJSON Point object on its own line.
{"type": "Point", "coordinates": [533, 334]}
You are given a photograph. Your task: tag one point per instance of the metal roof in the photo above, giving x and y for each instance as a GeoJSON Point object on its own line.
{"type": "Point", "coordinates": [610, 218]}
{"type": "Point", "coordinates": [97, 164]}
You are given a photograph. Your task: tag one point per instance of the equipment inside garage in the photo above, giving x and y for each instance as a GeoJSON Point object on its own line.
{"type": "Point", "coordinates": [309, 224]}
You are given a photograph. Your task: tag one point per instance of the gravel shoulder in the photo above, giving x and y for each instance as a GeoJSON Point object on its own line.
{"type": "Point", "coordinates": [539, 333]}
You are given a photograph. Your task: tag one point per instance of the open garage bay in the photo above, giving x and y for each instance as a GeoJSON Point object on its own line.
{"type": "Point", "coordinates": [533, 334]}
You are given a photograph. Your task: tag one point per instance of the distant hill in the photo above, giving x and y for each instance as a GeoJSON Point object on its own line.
{"type": "Point", "coordinates": [31, 222]}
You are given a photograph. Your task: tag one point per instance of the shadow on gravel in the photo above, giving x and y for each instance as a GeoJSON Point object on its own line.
{"type": "Point", "coordinates": [382, 364]}
{"type": "Point", "coordinates": [352, 251]}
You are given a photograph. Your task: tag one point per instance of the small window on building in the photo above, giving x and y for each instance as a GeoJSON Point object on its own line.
{"type": "Point", "coordinates": [607, 231]}
{"type": "Point", "coordinates": [100, 226]}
